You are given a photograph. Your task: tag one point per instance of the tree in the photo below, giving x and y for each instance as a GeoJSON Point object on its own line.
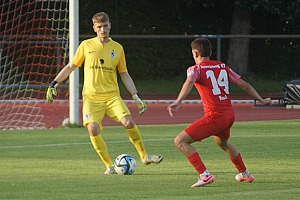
{"type": "Point", "coordinates": [239, 47]}
{"type": "Point", "coordinates": [241, 23]}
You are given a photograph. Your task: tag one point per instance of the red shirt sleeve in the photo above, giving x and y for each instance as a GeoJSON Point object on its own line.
{"type": "Point", "coordinates": [233, 76]}
{"type": "Point", "coordinates": [194, 71]}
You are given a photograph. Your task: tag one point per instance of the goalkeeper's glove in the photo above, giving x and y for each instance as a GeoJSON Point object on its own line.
{"type": "Point", "coordinates": [51, 91]}
{"type": "Point", "coordinates": [140, 103]}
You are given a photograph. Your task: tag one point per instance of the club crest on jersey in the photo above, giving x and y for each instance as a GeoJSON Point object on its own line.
{"type": "Point", "coordinates": [112, 54]}
{"type": "Point", "coordinates": [86, 116]}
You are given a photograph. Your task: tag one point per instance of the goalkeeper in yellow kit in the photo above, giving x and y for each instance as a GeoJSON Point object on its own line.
{"type": "Point", "coordinates": [103, 58]}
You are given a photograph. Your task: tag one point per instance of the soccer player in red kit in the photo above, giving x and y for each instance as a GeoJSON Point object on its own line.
{"type": "Point", "coordinates": [211, 78]}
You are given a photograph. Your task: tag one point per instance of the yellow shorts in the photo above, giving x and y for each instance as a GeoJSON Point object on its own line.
{"type": "Point", "coordinates": [115, 108]}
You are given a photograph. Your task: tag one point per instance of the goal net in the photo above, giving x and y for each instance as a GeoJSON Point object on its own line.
{"type": "Point", "coordinates": [33, 49]}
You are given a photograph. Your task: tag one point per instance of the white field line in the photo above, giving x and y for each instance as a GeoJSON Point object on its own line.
{"type": "Point", "coordinates": [77, 143]}
{"type": "Point", "coordinates": [126, 101]}
{"type": "Point", "coordinates": [125, 141]}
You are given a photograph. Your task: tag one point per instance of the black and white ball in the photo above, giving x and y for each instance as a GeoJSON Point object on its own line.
{"type": "Point", "coordinates": [124, 164]}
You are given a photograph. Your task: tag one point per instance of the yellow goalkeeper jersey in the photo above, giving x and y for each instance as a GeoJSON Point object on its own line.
{"type": "Point", "coordinates": [101, 63]}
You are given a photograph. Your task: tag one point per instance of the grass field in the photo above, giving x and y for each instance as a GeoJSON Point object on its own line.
{"type": "Point", "coordinates": [61, 164]}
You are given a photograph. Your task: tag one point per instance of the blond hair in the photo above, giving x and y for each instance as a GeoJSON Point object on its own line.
{"type": "Point", "coordinates": [100, 17]}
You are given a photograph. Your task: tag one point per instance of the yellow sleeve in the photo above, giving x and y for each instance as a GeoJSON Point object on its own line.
{"type": "Point", "coordinates": [122, 63]}
{"type": "Point", "coordinates": [79, 56]}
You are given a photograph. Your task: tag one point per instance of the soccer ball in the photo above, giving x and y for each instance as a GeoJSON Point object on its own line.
{"type": "Point", "coordinates": [124, 164]}
{"type": "Point", "coordinates": [66, 122]}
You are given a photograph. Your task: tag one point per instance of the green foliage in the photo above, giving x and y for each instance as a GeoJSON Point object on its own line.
{"type": "Point", "coordinates": [183, 17]}
{"type": "Point", "coordinates": [158, 17]}
{"type": "Point", "coordinates": [156, 59]}
{"type": "Point", "coordinates": [288, 9]}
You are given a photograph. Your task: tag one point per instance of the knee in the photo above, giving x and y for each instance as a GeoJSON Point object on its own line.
{"type": "Point", "coordinates": [222, 145]}
{"type": "Point", "coordinates": [93, 129]}
{"type": "Point", "coordinates": [182, 140]}
{"type": "Point", "coordinates": [128, 123]}
{"type": "Point", "coordinates": [178, 142]}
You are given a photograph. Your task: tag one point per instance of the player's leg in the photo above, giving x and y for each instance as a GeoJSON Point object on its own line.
{"type": "Point", "coordinates": [118, 111]}
{"type": "Point", "coordinates": [100, 146]}
{"type": "Point", "coordinates": [183, 143]}
{"type": "Point", "coordinates": [231, 151]}
{"type": "Point", "coordinates": [134, 135]}
{"type": "Point", "coordinates": [93, 114]}
{"type": "Point", "coordinates": [136, 139]}
{"type": "Point", "coordinates": [195, 132]}
{"type": "Point", "coordinates": [221, 139]}
{"type": "Point", "coordinates": [236, 159]}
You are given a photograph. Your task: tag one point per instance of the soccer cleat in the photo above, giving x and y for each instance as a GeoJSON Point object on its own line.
{"type": "Point", "coordinates": [244, 176]}
{"type": "Point", "coordinates": [152, 159]}
{"type": "Point", "coordinates": [110, 170]}
{"type": "Point", "coordinates": [204, 180]}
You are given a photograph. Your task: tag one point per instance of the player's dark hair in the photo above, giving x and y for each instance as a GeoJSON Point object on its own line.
{"type": "Point", "coordinates": [203, 46]}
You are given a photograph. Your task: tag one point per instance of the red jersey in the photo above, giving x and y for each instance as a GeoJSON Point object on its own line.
{"type": "Point", "coordinates": [212, 82]}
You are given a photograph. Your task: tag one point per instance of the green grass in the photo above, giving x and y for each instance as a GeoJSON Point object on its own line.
{"type": "Point", "coordinates": [61, 164]}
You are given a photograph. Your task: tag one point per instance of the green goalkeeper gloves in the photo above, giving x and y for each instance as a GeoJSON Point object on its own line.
{"type": "Point", "coordinates": [140, 103]}
{"type": "Point", "coordinates": [51, 91]}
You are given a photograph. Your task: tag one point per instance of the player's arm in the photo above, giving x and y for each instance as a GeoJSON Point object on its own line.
{"type": "Point", "coordinates": [129, 84]}
{"type": "Point", "coordinates": [252, 92]}
{"type": "Point", "coordinates": [65, 72]}
{"type": "Point", "coordinates": [185, 90]}
{"type": "Point", "coordinates": [62, 75]}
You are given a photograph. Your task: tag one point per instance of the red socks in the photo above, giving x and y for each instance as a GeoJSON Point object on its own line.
{"type": "Point", "coordinates": [238, 163]}
{"type": "Point", "coordinates": [197, 163]}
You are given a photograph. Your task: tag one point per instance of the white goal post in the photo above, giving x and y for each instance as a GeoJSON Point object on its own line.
{"type": "Point", "coordinates": [74, 77]}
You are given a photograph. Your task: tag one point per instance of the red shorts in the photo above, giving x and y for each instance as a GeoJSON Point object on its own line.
{"type": "Point", "coordinates": [216, 124]}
